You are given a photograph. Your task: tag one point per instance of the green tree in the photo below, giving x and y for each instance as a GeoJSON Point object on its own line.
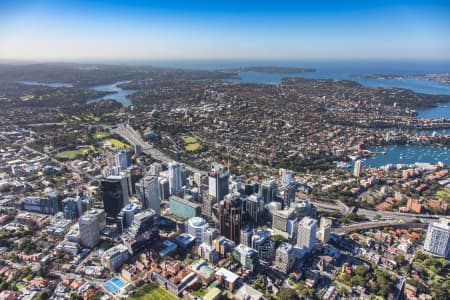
{"type": "Point", "coordinates": [287, 294]}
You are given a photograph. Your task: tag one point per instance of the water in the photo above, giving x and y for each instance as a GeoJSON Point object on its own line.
{"type": "Point", "coordinates": [408, 154]}
{"type": "Point", "coordinates": [119, 94]}
{"type": "Point", "coordinates": [116, 93]}
{"type": "Point", "coordinates": [52, 84]}
{"type": "Point", "coordinates": [440, 111]}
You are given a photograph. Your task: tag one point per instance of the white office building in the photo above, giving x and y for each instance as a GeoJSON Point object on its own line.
{"type": "Point", "coordinates": [437, 240]}
{"type": "Point", "coordinates": [197, 227]}
{"type": "Point", "coordinates": [306, 235]}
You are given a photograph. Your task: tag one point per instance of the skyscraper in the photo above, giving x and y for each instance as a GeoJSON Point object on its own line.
{"type": "Point", "coordinates": [147, 191]}
{"type": "Point", "coordinates": [288, 194]}
{"type": "Point", "coordinates": [268, 191]}
{"type": "Point", "coordinates": [323, 234]}
{"type": "Point", "coordinates": [286, 177]}
{"type": "Point", "coordinates": [437, 240]}
{"type": "Point", "coordinates": [197, 227]}
{"type": "Point", "coordinates": [306, 237]}
{"type": "Point", "coordinates": [143, 230]}
{"type": "Point", "coordinates": [264, 245]}
{"type": "Point", "coordinates": [246, 236]}
{"type": "Point", "coordinates": [284, 258]}
{"type": "Point", "coordinates": [175, 177]}
{"type": "Point", "coordinates": [230, 213]}
{"type": "Point", "coordinates": [122, 159]}
{"type": "Point", "coordinates": [89, 230]}
{"type": "Point", "coordinates": [115, 194]}
{"type": "Point", "coordinates": [357, 170]}
{"type": "Point", "coordinates": [218, 182]}
{"type": "Point", "coordinates": [254, 208]}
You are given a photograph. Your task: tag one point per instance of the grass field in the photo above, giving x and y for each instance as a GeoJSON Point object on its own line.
{"type": "Point", "coordinates": [71, 154]}
{"type": "Point", "coordinates": [191, 143]}
{"type": "Point", "coordinates": [101, 135]}
{"type": "Point", "coordinates": [116, 143]}
{"type": "Point", "coordinates": [158, 293]}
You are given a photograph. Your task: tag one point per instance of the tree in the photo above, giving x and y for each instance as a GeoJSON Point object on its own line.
{"type": "Point", "coordinates": [287, 294]}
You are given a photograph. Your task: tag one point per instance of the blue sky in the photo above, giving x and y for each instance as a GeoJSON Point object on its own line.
{"type": "Point", "coordinates": [184, 30]}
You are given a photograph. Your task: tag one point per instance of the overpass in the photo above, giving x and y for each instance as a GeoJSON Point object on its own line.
{"type": "Point", "coordinates": [135, 139]}
{"type": "Point", "coordinates": [381, 224]}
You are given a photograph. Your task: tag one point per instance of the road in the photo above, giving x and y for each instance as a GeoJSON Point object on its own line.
{"type": "Point", "coordinates": [134, 138]}
{"type": "Point", "coordinates": [378, 224]}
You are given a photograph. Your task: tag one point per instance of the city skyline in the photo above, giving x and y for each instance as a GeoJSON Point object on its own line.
{"type": "Point", "coordinates": [157, 30]}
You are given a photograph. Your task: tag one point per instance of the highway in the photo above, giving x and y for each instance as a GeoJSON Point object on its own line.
{"type": "Point", "coordinates": [378, 224]}
{"type": "Point", "coordinates": [134, 138]}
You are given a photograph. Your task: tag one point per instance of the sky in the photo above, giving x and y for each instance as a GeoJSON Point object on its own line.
{"type": "Point", "coordinates": [224, 30]}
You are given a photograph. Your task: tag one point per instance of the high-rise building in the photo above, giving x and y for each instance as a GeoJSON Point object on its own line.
{"type": "Point", "coordinates": [142, 231]}
{"type": "Point", "coordinates": [280, 219]}
{"type": "Point", "coordinates": [41, 205]}
{"type": "Point", "coordinates": [287, 176]}
{"type": "Point", "coordinates": [115, 257]}
{"type": "Point", "coordinates": [155, 168]}
{"type": "Point", "coordinates": [284, 258]}
{"type": "Point", "coordinates": [164, 189]}
{"type": "Point", "coordinates": [210, 235]}
{"type": "Point", "coordinates": [246, 256]}
{"type": "Point", "coordinates": [437, 240]}
{"type": "Point", "coordinates": [183, 208]}
{"type": "Point", "coordinates": [115, 194]}
{"type": "Point", "coordinates": [230, 213]}
{"type": "Point", "coordinates": [268, 190]}
{"type": "Point", "coordinates": [264, 245]}
{"type": "Point", "coordinates": [70, 208]}
{"type": "Point", "coordinates": [246, 236]}
{"type": "Point", "coordinates": [147, 191]}
{"type": "Point", "coordinates": [305, 209]}
{"type": "Point", "coordinates": [89, 230]}
{"type": "Point", "coordinates": [207, 206]}
{"type": "Point", "coordinates": [197, 227]}
{"type": "Point", "coordinates": [324, 232]}
{"type": "Point", "coordinates": [357, 169]}
{"type": "Point", "coordinates": [306, 236]}
{"type": "Point", "coordinates": [288, 194]}
{"type": "Point", "coordinates": [175, 177]}
{"type": "Point", "coordinates": [218, 182]}
{"type": "Point", "coordinates": [84, 203]}
{"type": "Point", "coordinates": [254, 208]}
{"type": "Point", "coordinates": [122, 159]}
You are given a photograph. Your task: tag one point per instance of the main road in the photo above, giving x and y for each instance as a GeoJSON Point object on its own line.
{"type": "Point", "coordinates": [135, 139]}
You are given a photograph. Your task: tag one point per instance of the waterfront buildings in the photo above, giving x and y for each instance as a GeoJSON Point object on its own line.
{"type": "Point", "coordinates": [437, 240]}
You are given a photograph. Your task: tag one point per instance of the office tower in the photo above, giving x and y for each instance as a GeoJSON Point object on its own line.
{"type": "Point", "coordinates": [284, 258]}
{"type": "Point", "coordinates": [143, 230]}
{"type": "Point", "coordinates": [134, 175]}
{"type": "Point", "coordinates": [324, 232]}
{"type": "Point", "coordinates": [230, 217]}
{"type": "Point", "coordinates": [287, 177]}
{"type": "Point", "coordinates": [89, 230]}
{"type": "Point", "coordinates": [268, 191]}
{"type": "Point", "coordinates": [238, 186]}
{"type": "Point", "coordinates": [306, 236]}
{"type": "Point", "coordinates": [155, 168]}
{"type": "Point", "coordinates": [254, 208]}
{"type": "Point", "coordinates": [147, 191]}
{"type": "Point", "coordinates": [246, 256]}
{"type": "Point", "coordinates": [84, 203]}
{"type": "Point", "coordinates": [164, 189]}
{"type": "Point", "coordinates": [128, 213]}
{"type": "Point", "coordinates": [305, 209]}
{"type": "Point", "coordinates": [197, 227]}
{"type": "Point", "coordinates": [115, 257]}
{"type": "Point", "coordinates": [207, 205]}
{"type": "Point", "coordinates": [183, 208]}
{"type": "Point", "coordinates": [437, 240]}
{"type": "Point", "coordinates": [288, 194]}
{"type": "Point", "coordinates": [41, 205]}
{"type": "Point", "coordinates": [292, 228]}
{"type": "Point", "coordinates": [264, 245]}
{"type": "Point", "coordinates": [115, 194]}
{"type": "Point", "coordinates": [251, 188]}
{"type": "Point", "coordinates": [280, 219]}
{"type": "Point", "coordinates": [357, 169]}
{"type": "Point", "coordinates": [70, 208]}
{"type": "Point", "coordinates": [246, 236]}
{"type": "Point", "coordinates": [175, 177]}
{"type": "Point", "coordinates": [123, 159]}
{"type": "Point", "coordinates": [218, 182]}
{"type": "Point", "coordinates": [210, 235]}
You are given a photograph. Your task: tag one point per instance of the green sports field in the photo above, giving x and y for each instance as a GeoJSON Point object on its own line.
{"type": "Point", "coordinates": [158, 293]}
